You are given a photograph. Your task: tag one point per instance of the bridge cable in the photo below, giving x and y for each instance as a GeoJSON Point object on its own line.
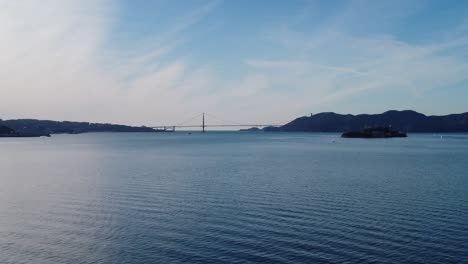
{"type": "Point", "coordinates": [188, 120]}
{"type": "Point", "coordinates": [240, 124]}
{"type": "Point", "coordinates": [223, 120]}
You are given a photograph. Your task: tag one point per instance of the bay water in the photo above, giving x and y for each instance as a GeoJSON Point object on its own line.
{"type": "Point", "coordinates": [233, 197]}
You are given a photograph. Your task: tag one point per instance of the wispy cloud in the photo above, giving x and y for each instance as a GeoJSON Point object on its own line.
{"type": "Point", "coordinates": [333, 66]}
{"type": "Point", "coordinates": [58, 63]}
{"type": "Point", "coordinates": [55, 63]}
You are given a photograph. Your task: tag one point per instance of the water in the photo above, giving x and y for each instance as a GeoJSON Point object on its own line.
{"type": "Point", "coordinates": [233, 198]}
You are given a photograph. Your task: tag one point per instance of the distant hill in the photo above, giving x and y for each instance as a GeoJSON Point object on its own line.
{"type": "Point", "coordinates": [44, 127]}
{"type": "Point", "coordinates": [407, 121]}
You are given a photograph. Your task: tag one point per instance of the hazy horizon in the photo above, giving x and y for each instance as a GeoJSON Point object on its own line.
{"type": "Point", "coordinates": [159, 62]}
{"type": "Point", "coordinates": [213, 123]}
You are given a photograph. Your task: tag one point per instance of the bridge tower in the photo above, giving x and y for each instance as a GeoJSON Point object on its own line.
{"type": "Point", "coordinates": [203, 123]}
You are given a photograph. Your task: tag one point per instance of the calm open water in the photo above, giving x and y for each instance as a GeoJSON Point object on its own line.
{"type": "Point", "coordinates": [233, 198]}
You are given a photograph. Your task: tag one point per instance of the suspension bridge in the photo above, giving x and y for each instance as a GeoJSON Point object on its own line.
{"type": "Point", "coordinates": [187, 124]}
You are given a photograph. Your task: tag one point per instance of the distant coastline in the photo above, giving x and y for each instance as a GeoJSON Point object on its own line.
{"type": "Point", "coordinates": [35, 128]}
{"type": "Point", "coordinates": [9, 132]}
{"type": "Point", "coordinates": [406, 121]}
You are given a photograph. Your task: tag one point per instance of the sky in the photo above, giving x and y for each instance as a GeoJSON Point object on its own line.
{"type": "Point", "coordinates": [157, 62]}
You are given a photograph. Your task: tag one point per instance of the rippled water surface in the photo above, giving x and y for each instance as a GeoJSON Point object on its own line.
{"type": "Point", "coordinates": [233, 198]}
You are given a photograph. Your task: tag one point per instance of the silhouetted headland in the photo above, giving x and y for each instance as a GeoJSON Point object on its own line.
{"type": "Point", "coordinates": [9, 132]}
{"type": "Point", "coordinates": [252, 129]}
{"type": "Point", "coordinates": [408, 121]}
{"type": "Point", "coordinates": [33, 127]}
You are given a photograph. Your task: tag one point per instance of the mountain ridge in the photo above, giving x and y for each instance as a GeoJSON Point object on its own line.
{"type": "Point", "coordinates": [404, 120]}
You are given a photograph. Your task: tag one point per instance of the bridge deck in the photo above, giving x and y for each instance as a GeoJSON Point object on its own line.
{"type": "Point", "coordinates": [200, 126]}
{"type": "Point", "coordinates": [203, 125]}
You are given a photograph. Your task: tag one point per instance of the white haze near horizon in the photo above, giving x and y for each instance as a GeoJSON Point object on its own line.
{"type": "Point", "coordinates": [58, 62]}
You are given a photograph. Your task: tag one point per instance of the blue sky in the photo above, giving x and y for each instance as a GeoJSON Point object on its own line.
{"type": "Point", "coordinates": [158, 62]}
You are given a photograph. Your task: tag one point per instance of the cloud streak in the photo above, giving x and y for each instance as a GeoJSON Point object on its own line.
{"type": "Point", "coordinates": [361, 65]}
{"type": "Point", "coordinates": [57, 63]}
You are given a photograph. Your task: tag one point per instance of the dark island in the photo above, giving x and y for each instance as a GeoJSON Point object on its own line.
{"type": "Point", "coordinates": [374, 132]}
{"type": "Point", "coordinates": [5, 131]}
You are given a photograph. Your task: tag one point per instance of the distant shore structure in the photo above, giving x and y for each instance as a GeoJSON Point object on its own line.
{"type": "Point", "coordinates": [164, 129]}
